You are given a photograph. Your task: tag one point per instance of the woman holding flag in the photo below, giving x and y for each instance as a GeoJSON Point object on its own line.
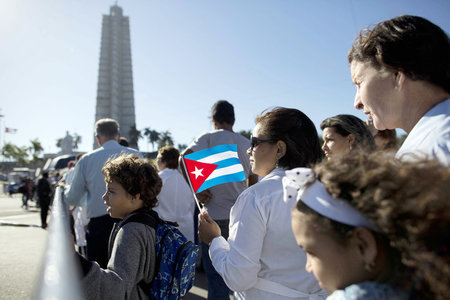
{"type": "Point", "coordinates": [261, 259]}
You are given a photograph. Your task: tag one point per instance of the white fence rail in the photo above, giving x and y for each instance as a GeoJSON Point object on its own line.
{"type": "Point", "coordinates": [61, 274]}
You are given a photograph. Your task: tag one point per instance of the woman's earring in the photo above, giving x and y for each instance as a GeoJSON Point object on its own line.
{"type": "Point", "coordinates": [370, 267]}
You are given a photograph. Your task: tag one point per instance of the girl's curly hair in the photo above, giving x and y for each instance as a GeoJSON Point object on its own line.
{"type": "Point", "coordinates": [136, 175]}
{"type": "Point", "coordinates": [409, 202]}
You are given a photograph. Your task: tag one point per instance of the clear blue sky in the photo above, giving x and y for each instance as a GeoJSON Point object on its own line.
{"type": "Point", "coordinates": [186, 54]}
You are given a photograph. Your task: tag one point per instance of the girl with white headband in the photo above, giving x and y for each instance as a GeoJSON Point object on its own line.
{"type": "Point", "coordinates": [374, 228]}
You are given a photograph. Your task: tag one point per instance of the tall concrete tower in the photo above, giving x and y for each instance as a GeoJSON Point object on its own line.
{"type": "Point", "coordinates": [115, 97]}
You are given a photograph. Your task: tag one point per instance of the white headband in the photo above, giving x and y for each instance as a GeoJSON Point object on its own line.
{"type": "Point", "coordinates": [318, 199]}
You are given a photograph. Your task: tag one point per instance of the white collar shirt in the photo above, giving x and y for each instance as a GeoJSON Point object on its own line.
{"type": "Point", "coordinates": [430, 137]}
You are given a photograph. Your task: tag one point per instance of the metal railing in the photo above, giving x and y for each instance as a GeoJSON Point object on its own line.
{"type": "Point", "coordinates": [61, 274]}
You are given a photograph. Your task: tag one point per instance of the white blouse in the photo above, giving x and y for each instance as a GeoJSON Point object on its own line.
{"type": "Point", "coordinates": [261, 259]}
{"type": "Point", "coordinates": [176, 202]}
{"type": "Point", "coordinates": [430, 137]}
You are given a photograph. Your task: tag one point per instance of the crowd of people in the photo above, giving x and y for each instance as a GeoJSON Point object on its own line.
{"type": "Point", "coordinates": [353, 217]}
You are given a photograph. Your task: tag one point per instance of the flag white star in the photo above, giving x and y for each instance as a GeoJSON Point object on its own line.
{"type": "Point", "coordinates": [197, 172]}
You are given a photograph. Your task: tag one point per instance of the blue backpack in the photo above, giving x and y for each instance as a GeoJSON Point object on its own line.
{"type": "Point", "coordinates": [175, 258]}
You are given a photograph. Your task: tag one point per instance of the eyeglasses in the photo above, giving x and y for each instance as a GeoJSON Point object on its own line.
{"type": "Point", "coordinates": [255, 142]}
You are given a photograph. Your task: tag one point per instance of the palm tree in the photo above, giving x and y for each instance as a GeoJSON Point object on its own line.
{"type": "Point", "coordinates": [76, 140]}
{"type": "Point", "coordinates": [19, 154]}
{"type": "Point", "coordinates": [246, 133]}
{"type": "Point", "coordinates": [147, 134]}
{"type": "Point", "coordinates": [154, 137]}
{"type": "Point", "coordinates": [181, 147]}
{"type": "Point", "coordinates": [135, 135]}
{"type": "Point", "coordinates": [35, 149]}
{"type": "Point", "coordinates": [165, 139]}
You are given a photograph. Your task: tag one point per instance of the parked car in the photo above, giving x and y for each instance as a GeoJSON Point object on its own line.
{"type": "Point", "coordinates": [16, 179]}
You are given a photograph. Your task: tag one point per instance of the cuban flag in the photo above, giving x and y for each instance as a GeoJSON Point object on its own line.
{"type": "Point", "coordinates": [10, 130]}
{"type": "Point", "coordinates": [213, 166]}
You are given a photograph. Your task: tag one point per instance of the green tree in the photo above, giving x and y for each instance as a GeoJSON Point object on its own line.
{"type": "Point", "coordinates": [165, 139]}
{"type": "Point", "coordinates": [181, 147]}
{"type": "Point", "coordinates": [76, 140]}
{"type": "Point", "coordinates": [246, 133]}
{"type": "Point", "coordinates": [13, 152]}
{"type": "Point", "coordinates": [152, 136]}
{"type": "Point", "coordinates": [35, 149]}
{"type": "Point", "coordinates": [135, 135]}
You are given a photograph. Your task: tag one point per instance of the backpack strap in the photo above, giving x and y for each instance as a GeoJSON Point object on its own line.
{"type": "Point", "coordinates": [151, 219]}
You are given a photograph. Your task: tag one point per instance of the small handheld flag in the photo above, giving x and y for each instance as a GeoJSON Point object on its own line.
{"type": "Point", "coordinates": [213, 166]}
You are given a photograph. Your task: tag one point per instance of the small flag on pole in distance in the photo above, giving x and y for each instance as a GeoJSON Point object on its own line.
{"type": "Point", "coordinates": [10, 130]}
{"type": "Point", "coordinates": [213, 166]}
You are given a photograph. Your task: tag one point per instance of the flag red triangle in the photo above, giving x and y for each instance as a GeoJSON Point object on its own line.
{"type": "Point", "coordinates": [198, 172]}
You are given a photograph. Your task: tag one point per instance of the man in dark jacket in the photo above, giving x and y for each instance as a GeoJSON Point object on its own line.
{"type": "Point", "coordinates": [44, 192]}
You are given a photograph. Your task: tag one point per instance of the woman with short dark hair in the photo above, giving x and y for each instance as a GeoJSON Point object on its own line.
{"type": "Point", "coordinates": [261, 260]}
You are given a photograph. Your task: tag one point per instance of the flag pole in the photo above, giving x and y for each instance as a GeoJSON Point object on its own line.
{"type": "Point", "coordinates": [190, 185]}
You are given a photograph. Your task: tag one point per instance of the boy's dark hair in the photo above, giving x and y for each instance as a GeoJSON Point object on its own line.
{"type": "Point", "coordinates": [169, 156]}
{"type": "Point", "coordinates": [223, 112]}
{"type": "Point", "coordinates": [136, 175]}
{"type": "Point", "coordinates": [298, 132]}
{"type": "Point", "coordinates": [410, 44]}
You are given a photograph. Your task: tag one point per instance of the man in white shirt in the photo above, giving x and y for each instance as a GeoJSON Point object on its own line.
{"type": "Point", "coordinates": [219, 199]}
{"type": "Point", "coordinates": [401, 69]}
{"type": "Point", "coordinates": [89, 184]}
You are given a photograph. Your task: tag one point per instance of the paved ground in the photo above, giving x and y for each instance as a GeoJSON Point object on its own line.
{"type": "Point", "coordinates": [23, 244]}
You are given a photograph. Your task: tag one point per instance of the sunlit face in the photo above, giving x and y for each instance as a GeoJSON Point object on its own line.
{"type": "Point", "coordinates": [335, 266]}
{"type": "Point", "coordinates": [334, 143]}
{"type": "Point", "coordinates": [263, 158]}
{"type": "Point", "coordinates": [159, 163]}
{"type": "Point", "coordinates": [376, 95]}
{"type": "Point", "coordinates": [120, 203]}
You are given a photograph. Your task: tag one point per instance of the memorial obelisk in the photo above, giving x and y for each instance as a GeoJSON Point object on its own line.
{"type": "Point", "coordinates": [115, 96]}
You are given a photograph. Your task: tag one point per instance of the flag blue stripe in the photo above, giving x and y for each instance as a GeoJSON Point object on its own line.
{"type": "Point", "coordinates": [240, 176]}
{"type": "Point", "coordinates": [211, 151]}
{"type": "Point", "coordinates": [227, 162]}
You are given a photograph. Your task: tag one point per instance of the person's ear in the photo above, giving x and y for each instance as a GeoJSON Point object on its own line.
{"type": "Point", "coordinates": [215, 123]}
{"type": "Point", "coordinates": [136, 197]}
{"type": "Point", "coordinates": [351, 139]}
{"type": "Point", "coordinates": [399, 78]}
{"type": "Point", "coordinates": [366, 244]}
{"type": "Point", "coordinates": [281, 149]}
